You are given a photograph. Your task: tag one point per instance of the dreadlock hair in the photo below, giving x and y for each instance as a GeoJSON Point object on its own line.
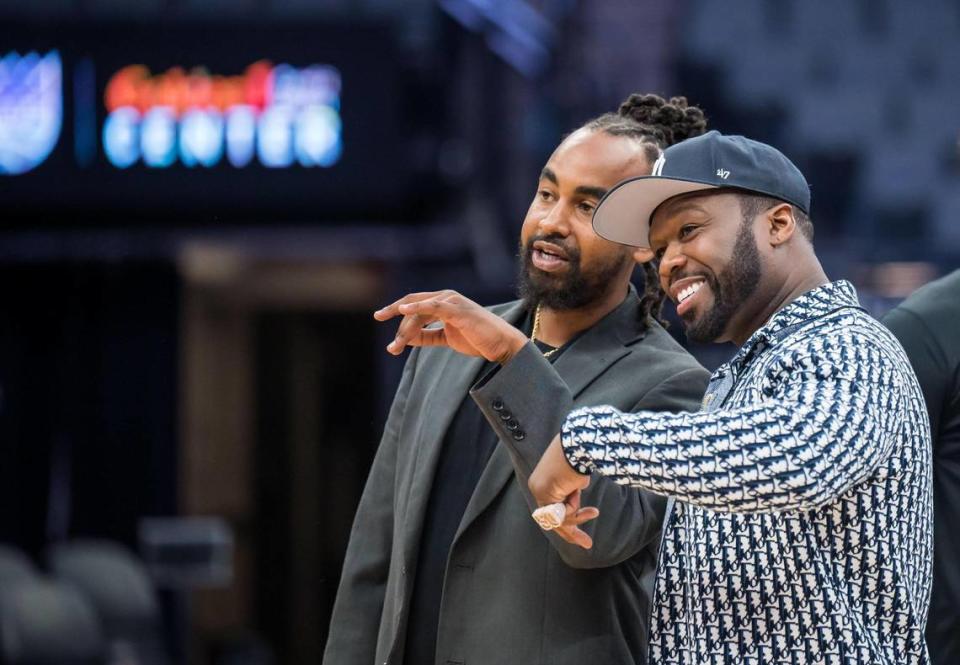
{"type": "Point", "coordinates": [658, 124]}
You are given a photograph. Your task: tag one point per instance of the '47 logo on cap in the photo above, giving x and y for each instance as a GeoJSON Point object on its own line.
{"type": "Point", "coordinates": [723, 174]}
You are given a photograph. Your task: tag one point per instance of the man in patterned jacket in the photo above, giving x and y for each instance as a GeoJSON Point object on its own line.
{"type": "Point", "coordinates": [799, 523]}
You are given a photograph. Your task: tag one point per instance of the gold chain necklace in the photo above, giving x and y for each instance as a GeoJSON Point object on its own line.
{"type": "Point", "coordinates": [536, 327]}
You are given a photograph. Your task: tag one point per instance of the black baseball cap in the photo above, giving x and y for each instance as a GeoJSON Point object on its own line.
{"type": "Point", "coordinates": [709, 161]}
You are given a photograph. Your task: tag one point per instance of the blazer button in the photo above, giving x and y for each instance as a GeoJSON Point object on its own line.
{"type": "Point", "coordinates": [497, 405]}
{"type": "Point", "coordinates": [519, 435]}
{"type": "Point", "coordinates": [513, 425]}
{"type": "Point", "coordinates": [505, 415]}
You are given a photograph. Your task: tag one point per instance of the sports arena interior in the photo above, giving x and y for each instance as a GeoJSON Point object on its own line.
{"type": "Point", "coordinates": [192, 385]}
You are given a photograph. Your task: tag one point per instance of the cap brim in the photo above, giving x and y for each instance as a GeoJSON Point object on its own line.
{"type": "Point", "coordinates": [623, 214]}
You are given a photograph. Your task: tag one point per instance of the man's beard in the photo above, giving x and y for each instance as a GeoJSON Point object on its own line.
{"type": "Point", "coordinates": [572, 289]}
{"type": "Point", "coordinates": [731, 289]}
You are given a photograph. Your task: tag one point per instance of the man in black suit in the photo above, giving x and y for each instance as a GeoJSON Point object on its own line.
{"type": "Point", "coordinates": [928, 325]}
{"type": "Point", "coordinates": [444, 564]}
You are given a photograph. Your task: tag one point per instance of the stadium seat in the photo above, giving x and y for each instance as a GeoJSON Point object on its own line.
{"type": "Point", "coordinates": [14, 565]}
{"type": "Point", "coordinates": [48, 623]}
{"type": "Point", "coordinates": [867, 84]}
{"type": "Point", "coordinates": [120, 590]}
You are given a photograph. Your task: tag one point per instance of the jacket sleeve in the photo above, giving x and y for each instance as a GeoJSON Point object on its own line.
{"type": "Point", "coordinates": [354, 626]}
{"type": "Point", "coordinates": [928, 358]}
{"type": "Point", "coordinates": [526, 401]}
{"type": "Point", "coordinates": [827, 421]}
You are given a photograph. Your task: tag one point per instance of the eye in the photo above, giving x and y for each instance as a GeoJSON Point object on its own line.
{"type": "Point", "coordinates": [586, 207]}
{"type": "Point", "coordinates": [686, 230]}
{"type": "Point", "coordinates": [545, 195]}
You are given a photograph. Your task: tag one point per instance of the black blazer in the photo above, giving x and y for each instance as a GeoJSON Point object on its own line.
{"type": "Point", "coordinates": [513, 595]}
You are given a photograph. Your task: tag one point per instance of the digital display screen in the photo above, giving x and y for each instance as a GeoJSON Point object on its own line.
{"type": "Point", "coordinates": [276, 115]}
{"type": "Point", "coordinates": [31, 109]}
{"type": "Point", "coordinates": [199, 124]}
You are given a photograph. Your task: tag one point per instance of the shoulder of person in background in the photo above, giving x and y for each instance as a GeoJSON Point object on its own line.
{"type": "Point", "coordinates": [927, 324]}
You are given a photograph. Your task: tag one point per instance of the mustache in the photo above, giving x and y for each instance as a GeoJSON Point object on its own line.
{"type": "Point", "coordinates": [571, 248]}
{"type": "Point", "coordinates": [676, 277]}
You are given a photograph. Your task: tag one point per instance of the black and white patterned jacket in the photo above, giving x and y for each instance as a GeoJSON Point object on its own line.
{"type": "Point", "coordinates": [802, 526]}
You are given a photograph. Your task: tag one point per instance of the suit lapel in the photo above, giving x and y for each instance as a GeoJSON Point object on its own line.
{"type": "Point", "coordinates": [444, 396]}
{"type": "Point", "coordinates": [496, 474]}
{"type": "Point", "coordinates": [601, 346]}
{"type": "Point", "coordinates": [586, 359]}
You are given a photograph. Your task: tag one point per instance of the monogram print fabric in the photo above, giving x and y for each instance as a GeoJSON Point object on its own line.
{"type": "Point", "coordinates": [802, 528]}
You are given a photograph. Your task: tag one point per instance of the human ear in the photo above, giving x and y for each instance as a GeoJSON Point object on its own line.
{"type": "Point", "coordinates": [781, 223]}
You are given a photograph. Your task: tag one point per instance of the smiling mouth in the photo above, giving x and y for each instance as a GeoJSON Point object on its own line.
{"type": "Point", "coordinates": [686, 297]}
{"type": "Point", "coordinates": [688, 292]}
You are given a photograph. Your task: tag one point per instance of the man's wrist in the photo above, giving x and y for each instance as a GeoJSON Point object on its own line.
{"type": "Point", "coordinates": [513, 346]}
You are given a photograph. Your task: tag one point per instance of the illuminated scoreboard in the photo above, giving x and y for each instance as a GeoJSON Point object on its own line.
{"type": "Point", "coordinates": [277, 115]}
{"type": "Point", "coordinates": [113, 123]}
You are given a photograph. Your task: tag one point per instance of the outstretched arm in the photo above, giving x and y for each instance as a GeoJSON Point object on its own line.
{"type": "Point", "coordinates": [527, 396]}
{"type": "Point", "coordinates": [825, 427]}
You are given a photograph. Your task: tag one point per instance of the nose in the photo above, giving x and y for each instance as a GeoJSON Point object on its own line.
{"type": "Point", "coordinates": [672, 259]}
{"type": "Point", "coordinates": [555, 221]}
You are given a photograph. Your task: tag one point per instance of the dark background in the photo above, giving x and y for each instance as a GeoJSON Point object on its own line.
{"type": "Point", "coordinates": [372, 180]}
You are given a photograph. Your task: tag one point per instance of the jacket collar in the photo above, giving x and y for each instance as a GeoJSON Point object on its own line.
{"type": "Point", "coordinates": [603, 344]}
{"type": "Point", "coordinates": [814, 304]}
